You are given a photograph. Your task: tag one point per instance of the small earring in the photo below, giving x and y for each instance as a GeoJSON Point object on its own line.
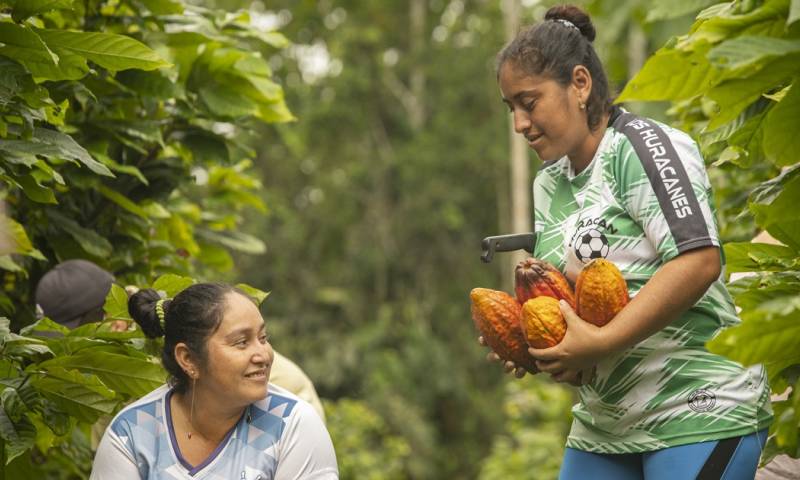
{"type": "Point", "coordinates": [583, 106]}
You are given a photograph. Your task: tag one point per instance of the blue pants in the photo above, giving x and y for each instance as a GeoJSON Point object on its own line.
{"type": "Point", "coordinates": [728, 459]}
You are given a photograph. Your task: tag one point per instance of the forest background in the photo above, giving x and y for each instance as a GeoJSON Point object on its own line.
{"type": "Point", "coordinates": [348, 157]}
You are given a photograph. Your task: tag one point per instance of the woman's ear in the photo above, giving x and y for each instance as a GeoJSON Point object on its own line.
{"type": "Point", "coordinates": [186, 360]}
{"type": "Point", "coordinates": [582, 82]}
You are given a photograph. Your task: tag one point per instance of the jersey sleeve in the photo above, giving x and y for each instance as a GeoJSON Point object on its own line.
{"type": "Point", "coordinates": [306, 451]}
{"type": "Point", "coordinates": [663, 185]}
{"type": "Point", "coordinates": [113, 461]}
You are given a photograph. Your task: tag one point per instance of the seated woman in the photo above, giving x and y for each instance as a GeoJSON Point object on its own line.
{"type": "Point", "coordinates": [217, 417]}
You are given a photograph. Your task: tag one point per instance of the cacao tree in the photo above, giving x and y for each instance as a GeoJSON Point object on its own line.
{"type": "Point", "coordinates": [732, 80]}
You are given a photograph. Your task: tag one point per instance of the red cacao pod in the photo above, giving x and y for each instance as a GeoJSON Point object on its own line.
{"type": "Point", "coordinates": [536, 278]}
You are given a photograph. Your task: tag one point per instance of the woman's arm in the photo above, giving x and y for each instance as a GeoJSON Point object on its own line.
{"type": "Point", "coordinates": [675, 287]}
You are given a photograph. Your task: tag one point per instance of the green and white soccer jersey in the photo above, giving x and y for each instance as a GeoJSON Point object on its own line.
{"type": "Point", "coordinates": [643, 200]}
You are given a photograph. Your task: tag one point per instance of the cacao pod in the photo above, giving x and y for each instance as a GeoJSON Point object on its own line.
{"type": "Point", "coordinates": [601, 292]}
{"type": "Point", "coordinates": [497, 317]}
{"type": "Point", "coordinates": [535, 278]}
{"type": "Point", "coordinates": [542, 322]}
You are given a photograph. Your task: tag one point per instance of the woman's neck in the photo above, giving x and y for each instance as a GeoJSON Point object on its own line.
{"type": "Point", "coordinates": [211, 420]}
{"type": "Point", "coordinates": [583, 155]}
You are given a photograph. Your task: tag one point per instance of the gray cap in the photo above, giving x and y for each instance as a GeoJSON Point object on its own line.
{"type": "Point", "coordinates": [72, 289]}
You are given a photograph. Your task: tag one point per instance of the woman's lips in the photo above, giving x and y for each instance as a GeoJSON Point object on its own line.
{"type": "Point", "coordinates": [533, 139]}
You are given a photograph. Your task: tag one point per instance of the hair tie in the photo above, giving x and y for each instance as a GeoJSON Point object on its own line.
{"type": "Point", "coordinates": [160, 312]}
{"type": "Point", "coordinates": [566, 23]}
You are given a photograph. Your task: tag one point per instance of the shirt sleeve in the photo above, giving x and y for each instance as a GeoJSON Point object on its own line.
{"type": "Point", "coordinates": [113, 461]}
{"type": "Point", "coordinates": [663, 185]}
{"type": "Point", "coordinates": [306, 451]}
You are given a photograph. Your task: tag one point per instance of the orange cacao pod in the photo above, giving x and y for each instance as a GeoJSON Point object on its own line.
{"type": "Point", "coordinates": [601, 292]}
{"type": "Point", "coordinates": [497, 317]}
{"type": "Point", "coordinates": [535, 278]}
{"type": "Point", "coordinates": [542, 322]}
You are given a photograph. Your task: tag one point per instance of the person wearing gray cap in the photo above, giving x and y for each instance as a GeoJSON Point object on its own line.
{"type": "Point", "coordinates": [73, 293]}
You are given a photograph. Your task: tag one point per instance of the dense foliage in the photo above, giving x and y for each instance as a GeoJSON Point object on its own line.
{"type": "Point", "coordinates": [732, 80]}
{"type": "Point", "coordinates": [123, 140]}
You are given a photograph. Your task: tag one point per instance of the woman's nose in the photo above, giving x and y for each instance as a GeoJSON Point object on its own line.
{"type": "Point", "coordinates": [521, 121]}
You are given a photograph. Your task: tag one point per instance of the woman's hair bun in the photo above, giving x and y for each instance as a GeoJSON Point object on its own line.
{"type": "Point", "coordinates": [574, 15]}
{"type": "Point", "coordinates": [142, 308]}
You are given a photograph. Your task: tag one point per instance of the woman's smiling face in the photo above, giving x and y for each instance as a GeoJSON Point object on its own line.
{"type": "Point", "coordinates": [238, 356]}
{"type": "Point", "coordinates": [545, 112]}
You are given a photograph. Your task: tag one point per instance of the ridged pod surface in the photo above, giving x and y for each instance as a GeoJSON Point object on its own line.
{"type": "Point", "coordinates": [601, 292]}
{"type": "Point", "coordinates": [542, 322]}
{"type": "Point", "coordinates": [497, 316]}
{"type": "Point", "coordinates": [536, 278]}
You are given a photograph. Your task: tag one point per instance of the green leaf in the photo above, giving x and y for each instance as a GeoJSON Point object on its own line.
{"type": "Point", "coordinates": [734, 95]}
{"type": "Point", "coordinates": [759, 340]}
{"type": "Point", "coordinates": [45, 326]}
{"type": "Point", "coordinates": [121, 200]}
{"type": "Point", "coordinates": [671, 75]}
{"type": "Point", "coordinates": [23, 9]}
{"type": "Point", "coordinates": [89, 240]}
{"type": "Point", "coordinates": [47, 142]}
{"type": "Point", "coordinates": [747, 54]}
{"type": "Point", "coordinates": [18, 436]}
{"type": "Point", "coordinates": [768, 19]}
{"type": "Point", "coordinates": [26, 47]}
{"type": "Point", "coordinates": [121, 373]}
{"type": "Point", "coordinates": [258, 295]}
{"type": "Point", "coordinates": [794, 12]}
{"type": "Point", "coordinates": [781, 144]}
{"type": "Point", "coordinates": [754, 257]}
{"type": "Point", "coordinates": [20, 237]}
{"type": "Point", "coordinates": [35, 190]}
{"type": "Point", "coordinates": [775, 212]}
{"type": "Point", "coordinates": [163, 7]}
{"type": "Point", "coordinates": [116, 304]}
{"type": "Point", "coordinates": [676, 8]}
{"type": "Point", "coordinates": [172, 284]}
{"type": "Point", "coordinates": [238, 241]}
{"type": "Point", "coordinates": [111, 51]}
{"type": "Point", "coordinates": [82, 396]}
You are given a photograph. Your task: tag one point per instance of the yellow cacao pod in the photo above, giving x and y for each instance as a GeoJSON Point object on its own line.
{"type": "Point", "coordinates": [542, 322]}
{"type": "Point", "coordinates": [497, 316]}
{"type": "Point", "coordinates": [600, 292]}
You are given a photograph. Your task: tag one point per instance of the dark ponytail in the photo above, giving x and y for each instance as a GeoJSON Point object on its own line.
{"type": "Point", "coordinates": [190, 318]}
{"type": "Point", "coordinates": [142, 308]}
{"type": "Point", "coordinates": [554, 47]}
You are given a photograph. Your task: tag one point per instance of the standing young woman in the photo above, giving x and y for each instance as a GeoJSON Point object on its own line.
{"type": "Point", "coordinates": [659, 405]}
{"type": "Point", "coordinates": [218, 417]}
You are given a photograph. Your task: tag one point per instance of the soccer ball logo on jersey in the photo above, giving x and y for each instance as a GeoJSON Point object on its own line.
{"type": "Point", "coordinates": [588, 242]}
{"type": "Point", "coordinates": [591, 244]}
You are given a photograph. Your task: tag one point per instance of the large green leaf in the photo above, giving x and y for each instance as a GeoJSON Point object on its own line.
{"type": "Point", "coordinates": [20, 237]}
{"type": "Point", "coordinates": [747, 54]}
{"type": "Point", "coordinates": [258, 295]}
{"type": "Point", "coordinates": [163, 7]}
{"type": "Point", "coordinates": [121, 373]}
{"type": "Point", "coordinates": [781, 141]}
{"type": "Point", "coordinates": [82, 396]}
{"type": "Point", "coordinates": [35, 190]}
{"type": "Point", "coordinates": [22, 9]}
{"type": "Point", "coordinates": [753, 257]}
{"type": "Point", "coordinates": [775, 212]}
{"type": "Point", "coordinates": [768, 19]}
{"type": "Point", "coordinates": [759, 339]}
{"type": "Point", "coordinates": [26, 47]}
{"type": "Point", "coordinates": [671, 74]}
{"type": "Point", "coordinates": [111, 51]}
{"type": "Point", "coordinates": [48, 142]}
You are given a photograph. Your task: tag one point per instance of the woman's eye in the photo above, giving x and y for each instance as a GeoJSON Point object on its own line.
{"type": "Point", "coordinates": [529, 106]}
{"type": "Point", "coordinates": [240, 343]}
{"type": "Point", "coordinates": [263, 338]}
